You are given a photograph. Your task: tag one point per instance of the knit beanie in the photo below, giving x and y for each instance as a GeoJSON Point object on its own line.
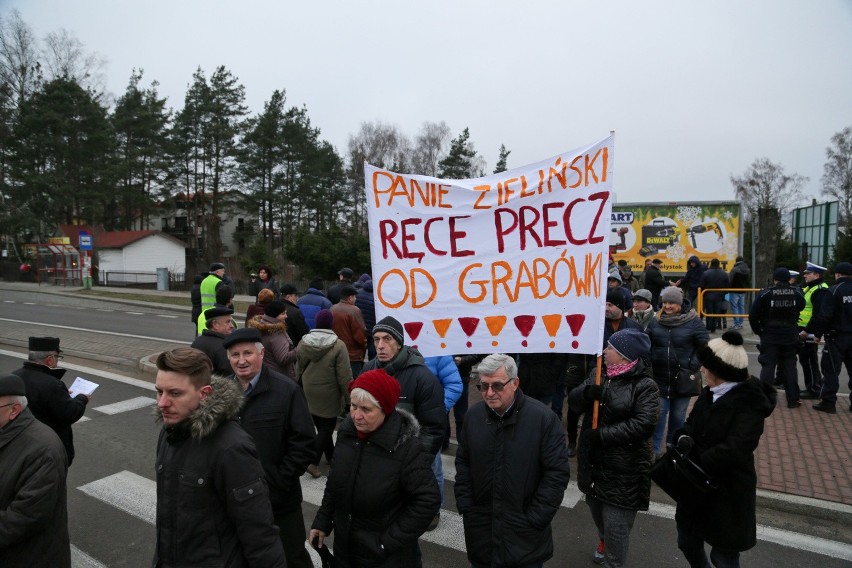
{"type": "Point", "coordinates": [391, 326]}
{"type": "Point", "coordinates": [382, 386]}
{"type": "Point", "coordinates": [672, 294]}
{"type": "Point", "coordinates": [275, 308]}
{"type": "Point", "coordinates": [631, 343]}
{"type": "Point", "coordinates": [725, 357]}
{"type": "Point", "coordinates": [616, 298]}
{"type": "Point", "coordinates": [643, 294]}
{"type": "Point", "coordinates": [324, 319]}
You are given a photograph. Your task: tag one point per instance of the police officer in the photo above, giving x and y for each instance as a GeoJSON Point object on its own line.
{"type": "Point", "coordinates": [814, 290]}
{"type": "Point", "coordinates": [774, 316]}
{"type": "Point", "coordinates": [833, 322]}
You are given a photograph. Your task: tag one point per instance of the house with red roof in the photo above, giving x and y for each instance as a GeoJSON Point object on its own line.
{"type": "Point", "coordinates": [131, 251]}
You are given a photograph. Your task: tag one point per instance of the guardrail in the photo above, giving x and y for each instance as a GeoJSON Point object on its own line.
{"type": "Point", "coordinates": [699, 303]}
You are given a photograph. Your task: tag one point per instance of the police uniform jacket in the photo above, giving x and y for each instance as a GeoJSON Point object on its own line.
{"type": "Point", "coordinates": [774, 315]}
{"type": "Point", "coordinates": [835, 311]}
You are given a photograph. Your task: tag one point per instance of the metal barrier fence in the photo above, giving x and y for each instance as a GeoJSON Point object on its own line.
{"type": "Point", "coordinates": [699, 303]}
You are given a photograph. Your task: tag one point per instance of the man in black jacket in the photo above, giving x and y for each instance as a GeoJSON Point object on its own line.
{"type": "Point", "coordinates": [422, 392]}
{"type": "Point", "coordinates": [774, 316]}
{"type": "Point", "coordinates": [714, 280]}
{"type": "Point", "coordinates": [297, 328]}
{"type": "Point", "coordinates": [654, 281]}
{"type": "Point", "coordinates": [833, 322]}
{"type": "Point", "coordinates": [512, 469]}
{"type": "Point", "coordinates": [224, 511]}
{"type": "Point", "coordinates": [48, 396]}
{"type": "Point", "coordinates": [276, 416]}
{"type": "Point", "coordinates": [33, 473]}
{"type": "Point", "coordinates": [219, 325]}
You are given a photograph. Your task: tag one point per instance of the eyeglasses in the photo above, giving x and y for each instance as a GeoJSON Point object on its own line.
{"type": "Point", "coordinates": [496, 387]}
{"type": "Point", "coordinates": [10, 404]}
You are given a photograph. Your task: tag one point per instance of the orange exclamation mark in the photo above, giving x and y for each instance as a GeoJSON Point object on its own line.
{"type": "Point", "coordinates": [442, 326]}
{"type": "Point", "coordinates": [551, 324]}
{"type": "Point", "coordinates": [495, 326]}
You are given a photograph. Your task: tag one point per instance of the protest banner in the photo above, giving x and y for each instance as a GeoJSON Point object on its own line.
{"type": "Point", "coordinates": [512, 262]}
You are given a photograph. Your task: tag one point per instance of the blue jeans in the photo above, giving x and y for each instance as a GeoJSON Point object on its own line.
{"type": "Point", "coordinates": [737, 306]}
{"type": "Point", "coordinates": [438, 470]}
{"type": "Point", "coordinates": [673, 414]}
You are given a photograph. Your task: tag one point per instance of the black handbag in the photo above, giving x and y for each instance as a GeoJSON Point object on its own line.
{"type": "Point", "coordinates": [687, 382]}
{"type": "Point", "coordinates": [680, 477]}
{"type": "Point", "coordinates": [327, 557]}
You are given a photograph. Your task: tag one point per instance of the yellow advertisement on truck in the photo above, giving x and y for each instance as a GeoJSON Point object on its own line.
{"type": "Point", "coordinates": [673, 232]}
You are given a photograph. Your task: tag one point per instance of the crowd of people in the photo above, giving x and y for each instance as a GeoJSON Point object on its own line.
{"type": "Point", "coordinates": [247, 410]}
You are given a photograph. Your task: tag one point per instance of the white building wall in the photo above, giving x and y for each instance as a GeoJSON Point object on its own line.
{"type": "Point", "coordinates": [110, 260]}
{"type": "Point", "coordinates": [153, 252]}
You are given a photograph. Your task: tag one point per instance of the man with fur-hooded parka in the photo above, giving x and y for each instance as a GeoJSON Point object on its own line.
{"type": "Point", "coordinates": [225, 511]}
{"type": "Point", "coordinates": [380, 495]}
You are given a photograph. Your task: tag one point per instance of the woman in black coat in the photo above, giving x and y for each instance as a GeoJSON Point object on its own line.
{"type": "Point", "coordinates": [381, 493]}
{"type": "Point", "coordinates": [724, 427]}
{"type": "Point", "coordinates": [614, 459]}
{"type": "Point", "coordinates": [676, 333]}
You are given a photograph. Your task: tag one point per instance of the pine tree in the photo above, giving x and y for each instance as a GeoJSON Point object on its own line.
{"type": "Point", "coordinates": [460, 160]}
{"type": "Point", "coordinates": [501, 160]}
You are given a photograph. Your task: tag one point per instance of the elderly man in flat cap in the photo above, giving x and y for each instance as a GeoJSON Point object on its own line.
{"type": "Point", "coordinates": [275, 414]}
{"type": "Point", "coordinates": [48, 396]}
{"type": "Point", "coordinates": [33, 469]}
{"type": "Point", "coordinates": [218, 325]}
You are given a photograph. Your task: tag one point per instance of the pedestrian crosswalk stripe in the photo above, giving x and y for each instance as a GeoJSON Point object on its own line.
{"type": "Point", "coordinates": [80, 559]}
{"type": "Point", "coordinates": [126, 405]}
{"type": "Point", "coordinates": [128, 492]}
{"type": "Point", "coordinates": [137, 496]}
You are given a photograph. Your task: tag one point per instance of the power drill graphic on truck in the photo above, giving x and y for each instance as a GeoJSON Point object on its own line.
{"type": "Point", "coordinates": [660, 234]}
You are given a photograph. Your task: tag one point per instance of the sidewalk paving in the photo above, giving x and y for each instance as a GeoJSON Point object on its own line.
{"type": "Point", "coordinates": [802, 452]}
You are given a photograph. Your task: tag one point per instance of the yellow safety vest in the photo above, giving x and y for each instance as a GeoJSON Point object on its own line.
{"type": "Point", "coordinates": [806, 314]}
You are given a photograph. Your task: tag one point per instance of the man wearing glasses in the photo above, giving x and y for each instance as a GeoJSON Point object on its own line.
{"type": "Point", "coordinates": [48, 396]}
{"type": "Point", "coordinates": [511, 471]}
{"type": "Point", "coordinates": [33, 469]}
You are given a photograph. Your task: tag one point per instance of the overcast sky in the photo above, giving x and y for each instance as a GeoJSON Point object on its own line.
{"type": "Point", "coordinates": [695, 91]}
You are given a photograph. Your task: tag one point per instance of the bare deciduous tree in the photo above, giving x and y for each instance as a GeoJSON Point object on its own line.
{"type": "Point", "coordinates": [430, 146]}
{"type": "Point", "coordinates": [65, 56]}
{"type": "Point", "coordinates": [767, 192]}
{"type": "Point", "coordinates": [837, 175]}
{"type": "Point", "coordinates": [19, 65]}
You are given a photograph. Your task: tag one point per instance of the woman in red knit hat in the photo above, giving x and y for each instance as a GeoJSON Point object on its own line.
{"type": "Point", "coordinates": [381, 493]}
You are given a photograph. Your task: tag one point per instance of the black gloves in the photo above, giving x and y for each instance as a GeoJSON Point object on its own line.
{"type": "Point", "coordinates": [593, 392]}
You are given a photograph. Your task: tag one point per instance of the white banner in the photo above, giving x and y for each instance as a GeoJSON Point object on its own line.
{"type": "Point", "coordinates": [512, 262]}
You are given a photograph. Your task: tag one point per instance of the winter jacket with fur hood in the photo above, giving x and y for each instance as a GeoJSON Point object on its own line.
{"type": "Point", "coordinates": [726, 433]}
{"type": "Point", "coordinates": [324, 372]}
{"type": "Point", "coordinates": [213, 504]}
{"type": "Point", "coordinates": [279, 354]}
{"type": "Point", "coordinates": [380, 496]}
